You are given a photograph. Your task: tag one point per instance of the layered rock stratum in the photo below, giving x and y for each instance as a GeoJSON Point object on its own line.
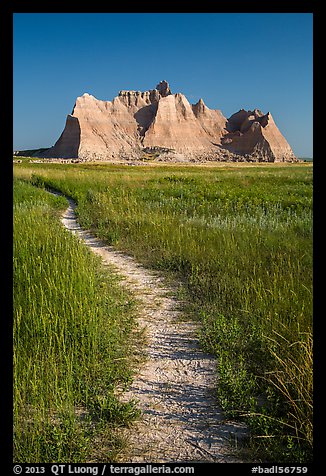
{"type": "Point", "coordinates": [163, 126]}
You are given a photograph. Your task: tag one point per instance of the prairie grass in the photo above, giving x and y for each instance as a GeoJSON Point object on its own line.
{"type": "Point", "coordinates": [240, 238]}
{"type": "Point", "coordinates": [72, 326]}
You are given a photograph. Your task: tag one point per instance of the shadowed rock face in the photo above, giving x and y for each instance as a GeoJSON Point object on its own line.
{"type": "Point", "coordinates": [67, 146]}
{"type": "Point", "coordinates": [255, 134]}
{"type": "Point", "coordinates": [161, 121]}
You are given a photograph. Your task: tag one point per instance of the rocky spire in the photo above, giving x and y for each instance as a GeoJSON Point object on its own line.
{"type": "Point", "coordinates": [163, 88]}
{"type": "Point", "coordinates": [199, 107]}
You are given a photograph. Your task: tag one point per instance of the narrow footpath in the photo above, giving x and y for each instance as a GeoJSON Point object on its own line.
{"type": "Point", "coordinates": [174, 387]}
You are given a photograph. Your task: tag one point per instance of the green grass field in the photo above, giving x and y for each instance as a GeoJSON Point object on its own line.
{"type": "Point", "coordinates": [240, 239]}
{"type": "Point", "coordinates": [72, 325]}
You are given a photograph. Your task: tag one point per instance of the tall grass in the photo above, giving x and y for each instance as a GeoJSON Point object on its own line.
{"type": "Point", "coordinates": [240, 238]}
{"type": "Point", "coordinates": [72, 328]}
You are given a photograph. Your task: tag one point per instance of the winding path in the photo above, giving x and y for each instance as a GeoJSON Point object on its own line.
{"type": "Point", "coordinates": [174, 387]}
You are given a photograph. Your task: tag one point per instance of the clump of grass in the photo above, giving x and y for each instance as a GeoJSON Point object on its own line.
{"type": "Point", "coordinates": [240, 238]}
{"type": "Point", "coordinates": [72, 334]}
{"type": "Point", "coordinates": [292, 376]}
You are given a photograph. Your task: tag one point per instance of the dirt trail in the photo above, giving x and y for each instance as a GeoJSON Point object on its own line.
{"type": "Point", "coordinates": [181, 421]}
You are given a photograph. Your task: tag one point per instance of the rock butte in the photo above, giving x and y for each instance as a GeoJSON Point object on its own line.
{"type": "Point", "coordinates": [166, 127]}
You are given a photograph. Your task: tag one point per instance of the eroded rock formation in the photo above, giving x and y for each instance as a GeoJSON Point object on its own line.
{"type": "Point", "coordinates": [254, 134]}
{"type": "Point", "coordinates": [167, 124]}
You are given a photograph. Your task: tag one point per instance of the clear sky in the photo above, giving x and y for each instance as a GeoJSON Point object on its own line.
{"type": "Point", "coordinates": [231, 60]}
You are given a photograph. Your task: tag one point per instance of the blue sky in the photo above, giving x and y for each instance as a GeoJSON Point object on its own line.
{"type": "Point", "coordinates": [232, 61]}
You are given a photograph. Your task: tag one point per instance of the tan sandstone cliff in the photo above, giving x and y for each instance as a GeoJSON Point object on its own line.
{"type": "Point", "coordinates": [166, 124]}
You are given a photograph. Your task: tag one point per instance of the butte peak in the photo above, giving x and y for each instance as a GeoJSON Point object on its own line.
{"type": "Point", "coordinates": [163, 88]}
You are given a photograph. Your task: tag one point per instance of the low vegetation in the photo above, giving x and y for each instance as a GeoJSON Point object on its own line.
{"type": "Point", "coordinates": [72, 332]}
{"type": "Point", "coordinates": [240, 238]}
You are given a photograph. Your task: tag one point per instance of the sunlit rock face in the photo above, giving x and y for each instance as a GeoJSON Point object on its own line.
{"type": "Point", "coordinates": [169, 127]}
